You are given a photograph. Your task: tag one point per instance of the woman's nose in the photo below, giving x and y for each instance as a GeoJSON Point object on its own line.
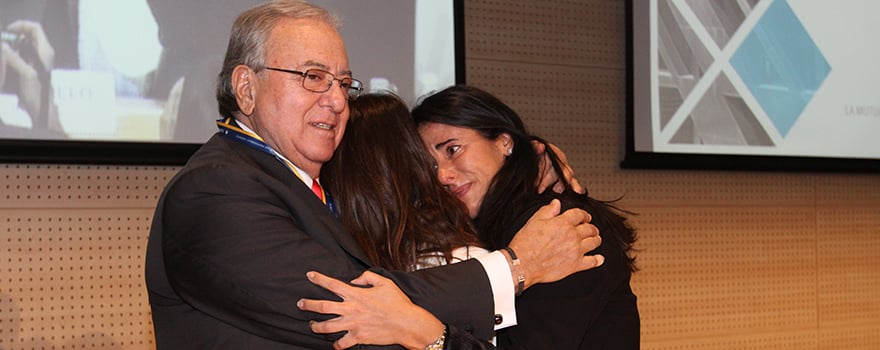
{"type": "Point", "coordinates": [445, 175]}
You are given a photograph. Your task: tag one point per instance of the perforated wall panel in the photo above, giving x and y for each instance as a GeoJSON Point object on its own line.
{"type": "Point", "coordinates": [72, 244]}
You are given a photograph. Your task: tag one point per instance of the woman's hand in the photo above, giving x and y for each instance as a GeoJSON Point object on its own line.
{"type": "Point", "coordinates": [549, 177]}
{"type": "Point", "coordinates": [373, 311]}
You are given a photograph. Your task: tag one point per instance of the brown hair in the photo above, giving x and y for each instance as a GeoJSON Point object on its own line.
{"type": "Point", "coordinates": [388, 197]}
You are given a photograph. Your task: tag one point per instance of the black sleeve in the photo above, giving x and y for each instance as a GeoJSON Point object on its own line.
{"type": "Point", "coordinates": [457, 339]}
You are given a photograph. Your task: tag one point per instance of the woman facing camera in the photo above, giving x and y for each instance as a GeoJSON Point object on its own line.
{"type": "Point", "coordinates": [484, 156]}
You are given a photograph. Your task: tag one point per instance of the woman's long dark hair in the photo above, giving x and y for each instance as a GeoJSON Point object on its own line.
{"type": "Point", "coordinates": [387, 195]}
{"type": "Point", "coordinates": [513, 189]}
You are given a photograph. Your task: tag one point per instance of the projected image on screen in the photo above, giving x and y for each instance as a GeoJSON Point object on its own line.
{"type": "Point", "coordinates": [717, 114]}
{"type": "Point", "coordinates": [145, 70]}
{"type": "Point", "coordinates": [757, 77]}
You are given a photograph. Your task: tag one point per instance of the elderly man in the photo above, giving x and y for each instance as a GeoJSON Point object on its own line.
{"type": "Point", "coordinates": [238, 228]}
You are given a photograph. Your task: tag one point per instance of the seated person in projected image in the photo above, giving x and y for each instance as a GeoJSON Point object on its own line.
{"type": "Point", "coordinates": [484, 156]}
{"type": "Point", "coordinates": [44, 35]}
{"type": "Point", "coordinates": [193, 37]}
{"type": "Point", "coordinates": [53, 49]}
{"type": "Point", "coordinates": [37, 37]}
{"type": "Point", "coordinates": [177, 55]}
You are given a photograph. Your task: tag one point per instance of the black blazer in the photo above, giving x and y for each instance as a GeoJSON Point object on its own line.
{"type": "Point", "coordinates": [593, 309]}
{"type": "Point", "coordinates": [232, 237]}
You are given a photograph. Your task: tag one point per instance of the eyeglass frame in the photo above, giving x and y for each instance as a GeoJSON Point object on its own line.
{"type": "Point", "coordinates": [359, 89]}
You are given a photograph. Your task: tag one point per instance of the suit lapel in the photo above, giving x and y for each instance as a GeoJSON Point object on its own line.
{"type": "Point", "coordinates": [315, 218]}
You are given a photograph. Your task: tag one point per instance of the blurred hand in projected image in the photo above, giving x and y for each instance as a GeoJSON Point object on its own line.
{"type": "Point", "coordinates": [26, 54]}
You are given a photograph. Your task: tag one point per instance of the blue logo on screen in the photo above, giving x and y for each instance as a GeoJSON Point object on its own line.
{"type": "Point", "coordinates": [781, 65]}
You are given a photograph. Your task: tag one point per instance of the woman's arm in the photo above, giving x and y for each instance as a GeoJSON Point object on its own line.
{"type": "Point", "coordinates": [382, 315]}
{"type": "Point", "coordinates": [375, 311]}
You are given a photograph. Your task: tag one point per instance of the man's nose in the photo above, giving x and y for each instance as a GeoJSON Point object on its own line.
{"type": "Point", "coordinates": [336, 98]}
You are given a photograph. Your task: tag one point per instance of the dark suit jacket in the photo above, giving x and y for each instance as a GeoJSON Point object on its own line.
{"type": "Point", "coordinates": [593, 309]}
{"type": "Point", "coordinates": [233, 235]}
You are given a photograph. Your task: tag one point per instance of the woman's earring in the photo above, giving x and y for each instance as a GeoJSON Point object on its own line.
{"type": "Point", "coordinates": [510, 150]}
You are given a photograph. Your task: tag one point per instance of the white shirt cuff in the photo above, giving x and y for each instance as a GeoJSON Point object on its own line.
{"type": "Point", "coordinates": [503, 293]}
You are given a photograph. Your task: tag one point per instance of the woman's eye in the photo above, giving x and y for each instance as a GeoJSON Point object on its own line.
{"type": "Point", "coordinates": [452, 150]}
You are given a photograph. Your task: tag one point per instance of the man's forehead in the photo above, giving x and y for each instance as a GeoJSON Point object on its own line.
{"type": "Point", "coordinates": [307, 43]}
{"type": "Point", "coordinates": [305, 30]}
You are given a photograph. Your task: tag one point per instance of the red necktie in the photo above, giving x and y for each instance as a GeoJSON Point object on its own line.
{"type": "Point", "coordinates": [316, 187]}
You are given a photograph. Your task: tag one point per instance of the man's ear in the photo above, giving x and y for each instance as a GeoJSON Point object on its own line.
{"type": "Point", "coordinates": [244, 84]}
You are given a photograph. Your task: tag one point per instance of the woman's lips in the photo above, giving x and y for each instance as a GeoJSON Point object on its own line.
{"type": "Point", "coordinates": [461, 191]}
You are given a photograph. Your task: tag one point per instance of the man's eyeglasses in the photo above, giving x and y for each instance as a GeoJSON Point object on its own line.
{"type": "Point", "coordinates": [317, 80]}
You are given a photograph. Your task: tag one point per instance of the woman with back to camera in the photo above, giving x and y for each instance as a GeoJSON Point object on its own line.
{"type": "Point", "coordinates": [483, 156]}
{"type": "Point", "coordinates": [395, 208]}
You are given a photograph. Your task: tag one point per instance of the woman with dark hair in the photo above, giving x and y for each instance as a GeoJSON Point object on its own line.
{"type": "Point", "coordinates": [483, 156]}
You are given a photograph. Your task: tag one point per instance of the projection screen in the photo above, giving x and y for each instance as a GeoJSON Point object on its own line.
{"type": "Point", "coordinates": [754, 85]}
{"type": "Point", "coordinates": [132, 81]}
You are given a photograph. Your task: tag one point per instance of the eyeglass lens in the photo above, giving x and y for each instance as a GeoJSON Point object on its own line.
{"type": "Point", "coordinates": [320, 81]}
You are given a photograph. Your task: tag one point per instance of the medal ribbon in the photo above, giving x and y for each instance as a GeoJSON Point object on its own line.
{"type": "Point", "coordinates": [231, 130]}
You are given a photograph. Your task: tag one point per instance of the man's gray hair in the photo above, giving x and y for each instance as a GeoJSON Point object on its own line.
{"type": "Point", "coordinates": [247, 42]}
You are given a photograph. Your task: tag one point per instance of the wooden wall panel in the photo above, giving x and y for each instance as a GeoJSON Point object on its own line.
{"type": "Point", "coordinates": [848, 242]}
{"type": "Point", "coordinates": [835, 191]}
{"type": "Point", "coordinates": [716, 272]}
{"type": "Point", "coordinates": [81, 186]}
{"type": "Point", "coordinates": [778, 340]}
{"type": "Point", "coordinates": [72, 245]}
{"type": "Point", "coordinates": [551, 100]}
{"type": "Point", "coordinates": [559, 32]}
